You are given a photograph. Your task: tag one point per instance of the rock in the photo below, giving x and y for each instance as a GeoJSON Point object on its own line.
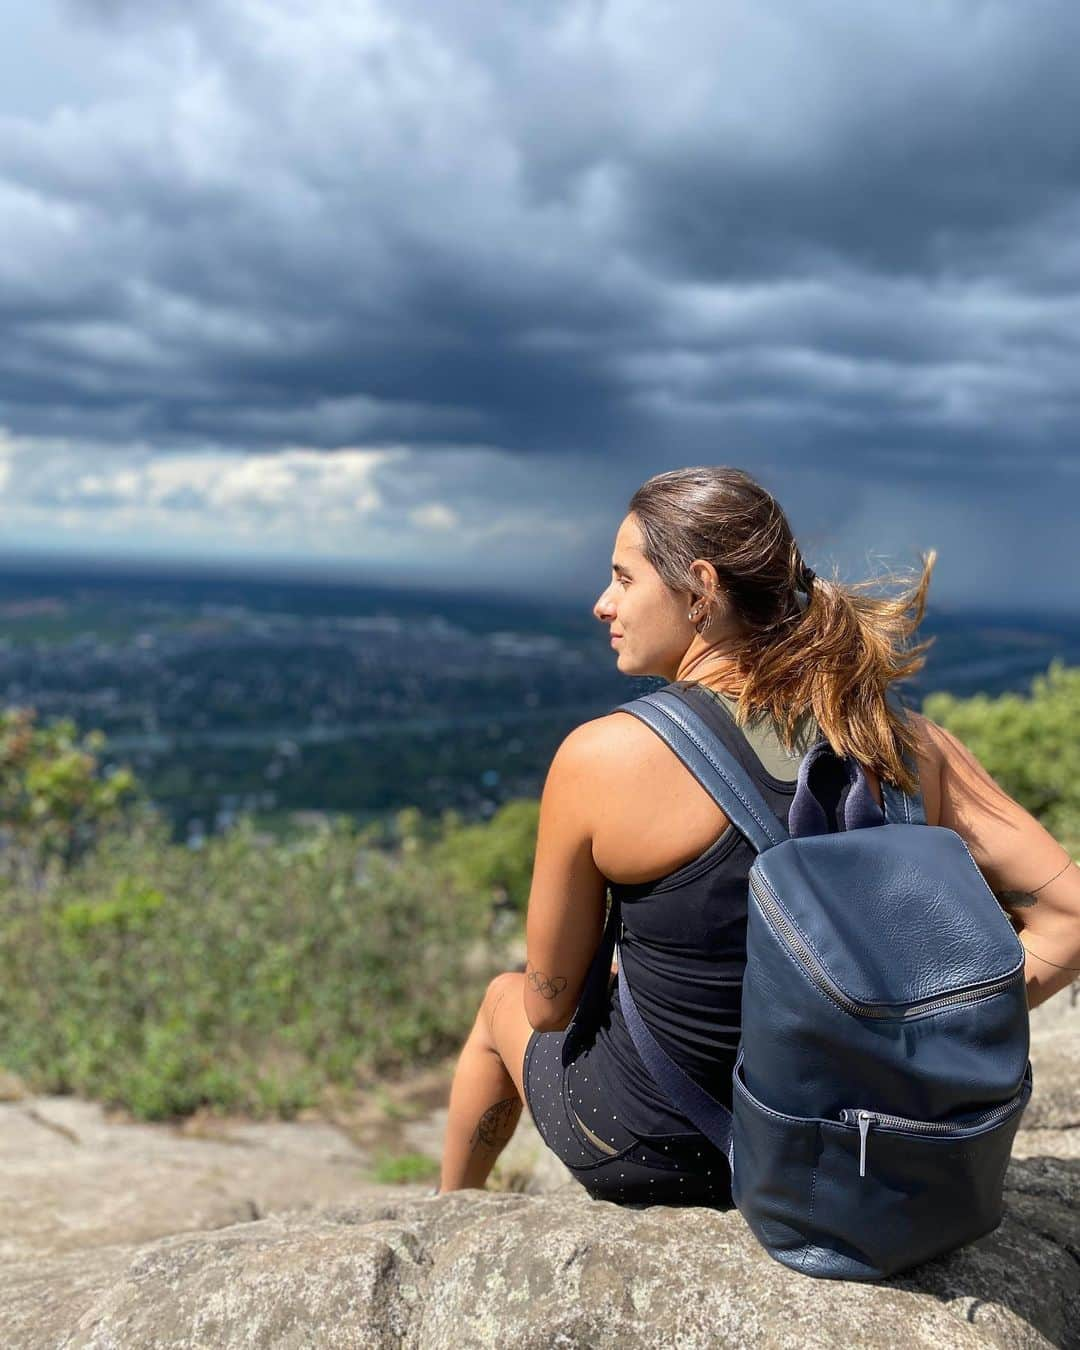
{"type": "Point", "coordinates": [12, 1088]}
{"type": "Point", "coordinates": [1055, 1056]}
{"type": "Point", "coordinates": [87, 1204]}
{"type": "Point", "coordinates": [1051, 1123]}
{"type": "Point", "coordinates": [69, 1178]}
{"type": "Point", "coordinates": [475, 1269]}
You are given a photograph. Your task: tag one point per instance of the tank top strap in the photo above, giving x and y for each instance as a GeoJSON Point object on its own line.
{"type": "Point", "coordinates": [716, 712]}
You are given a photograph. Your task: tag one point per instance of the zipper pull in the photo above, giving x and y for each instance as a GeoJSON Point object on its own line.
{"type": "Point", "coordinates": [865, 1119]}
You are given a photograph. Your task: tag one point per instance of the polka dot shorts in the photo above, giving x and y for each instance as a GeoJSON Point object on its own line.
{"type": "Point", "coordinates": [609, 1160]}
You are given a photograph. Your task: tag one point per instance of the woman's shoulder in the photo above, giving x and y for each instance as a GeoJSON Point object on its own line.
{"type": "Point", "coordinates": [617, 741]}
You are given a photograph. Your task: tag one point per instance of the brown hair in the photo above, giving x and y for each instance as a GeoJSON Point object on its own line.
{"type": "Point", "coordinates": [836, 655]}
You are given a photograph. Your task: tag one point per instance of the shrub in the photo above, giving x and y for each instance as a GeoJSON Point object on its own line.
{"type": "Point", "coordinates": [1028, 743]}
{"type": "Point", "coordinates": [245, 976]}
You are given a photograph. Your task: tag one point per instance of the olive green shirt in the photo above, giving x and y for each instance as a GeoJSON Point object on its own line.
{"type": "Point", "coordinates": [765, 740]}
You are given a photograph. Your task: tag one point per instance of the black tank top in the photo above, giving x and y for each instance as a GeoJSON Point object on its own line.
{"type": "Point", "coordinates": [683, 946]}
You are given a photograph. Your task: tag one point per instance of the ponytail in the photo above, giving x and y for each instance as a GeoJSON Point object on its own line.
{"type": "Point", "coordinates": [808, 642]}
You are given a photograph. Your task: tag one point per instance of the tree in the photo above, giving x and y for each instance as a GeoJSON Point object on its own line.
{"type": "Point", "coordinates": [54, 802]}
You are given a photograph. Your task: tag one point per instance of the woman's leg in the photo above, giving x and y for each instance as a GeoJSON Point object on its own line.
{"type": "Point", "coordinates": [487, 1093]}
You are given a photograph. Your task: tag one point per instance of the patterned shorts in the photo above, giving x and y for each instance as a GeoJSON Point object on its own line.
{"type": "Point", "coordinates": [610, 1161]}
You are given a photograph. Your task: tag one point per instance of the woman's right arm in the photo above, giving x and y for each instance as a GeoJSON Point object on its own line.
{"type": "Point", "coordinates": [1032, 875]}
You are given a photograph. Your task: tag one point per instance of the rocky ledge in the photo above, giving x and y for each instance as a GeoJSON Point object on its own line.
{"type": "Point", "coordinates": [287, 1245]}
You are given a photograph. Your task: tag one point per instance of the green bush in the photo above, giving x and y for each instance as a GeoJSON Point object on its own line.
{"type": "Point", "coordinates": [245, 975]}
{"type": "Point", "coordinates": [403, 1169]}
{"type": "Point", "coordinates": [1029, 744]}
{"type": "Point", "coordinates": [495, 856]}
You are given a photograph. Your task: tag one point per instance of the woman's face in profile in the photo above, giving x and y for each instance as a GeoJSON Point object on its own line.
{"type": "Point", "coordinates": [647, 621]}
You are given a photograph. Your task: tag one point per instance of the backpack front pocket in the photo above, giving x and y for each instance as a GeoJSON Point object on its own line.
{"type": "Point", "coordinates": [926, 1187]}
{"type": "Point", "coordinates": [971, 1126]}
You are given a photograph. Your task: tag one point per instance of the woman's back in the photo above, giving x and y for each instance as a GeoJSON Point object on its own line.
{"type": "Point", "coordinates": [652, 815]}
{"type": "Point", "coordinates": [683, 942]}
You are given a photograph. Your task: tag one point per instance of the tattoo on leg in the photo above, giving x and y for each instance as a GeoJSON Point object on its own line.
{"type": "Point", "coordinates": [548, 986]}
{"type": "Point", "coordinates": [496, 1125]}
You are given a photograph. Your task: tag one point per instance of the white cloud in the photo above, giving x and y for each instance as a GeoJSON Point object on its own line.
{"type": "Point", "coordinates": [433, 516]}
{"type": "Point", "coordinates": [285, 495]}
{"type": "Point", "coordinates": [372, 506]}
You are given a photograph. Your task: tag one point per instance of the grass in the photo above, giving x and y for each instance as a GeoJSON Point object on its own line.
{"type": "Point", "coordinates": [402, 1169]}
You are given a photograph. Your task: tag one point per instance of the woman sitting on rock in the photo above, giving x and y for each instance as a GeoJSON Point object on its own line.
{"type": "Point", "coordinates": [708, 587]}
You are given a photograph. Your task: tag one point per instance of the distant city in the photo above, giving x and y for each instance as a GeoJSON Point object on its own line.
{"type": "Point", "coordinates": [284, 698]}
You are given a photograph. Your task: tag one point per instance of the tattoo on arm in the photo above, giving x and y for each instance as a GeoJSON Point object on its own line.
{"type": "Point", "coordinates": [1010, 901]}
{"type": "Point", "coordinates": [1074, 969]}
{"type": "Point", "coordinates": [547, 986]}
{"type": "Point", "coordinates": [1017, 899]}
{"type": "Point", "coordinates": [496, 1125]}
{"type": "Point", "coordinates": [1025, 899]}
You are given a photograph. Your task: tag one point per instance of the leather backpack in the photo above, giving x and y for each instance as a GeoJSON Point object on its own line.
{"type": "Point", "coordinates": [883, 1066]}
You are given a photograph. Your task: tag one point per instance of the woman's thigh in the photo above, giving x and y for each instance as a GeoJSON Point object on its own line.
{"type": "Point", "coordinates": [677, 1169]}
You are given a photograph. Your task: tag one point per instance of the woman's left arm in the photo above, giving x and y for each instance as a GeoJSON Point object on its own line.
{"type": "Point", "coordinates": [565, 917]}
{"type": "Point", "coordinates": [1031, 873]}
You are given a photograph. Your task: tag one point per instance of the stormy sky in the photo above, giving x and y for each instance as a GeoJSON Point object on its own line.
{"type": "Point", "coordinates": [429, 287]}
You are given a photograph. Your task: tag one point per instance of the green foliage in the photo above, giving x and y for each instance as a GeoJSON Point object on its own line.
{"type": "Point", "coordinates": [129, 909]}
{"type": "Point", "coordinates": [248, 975]}
{"type": "Point", "coordinates": [495, 856]}
{"type": "Point", "coordinates": [1028, 744]}
{"type": "Point", "coordinates": [53, 803]}
{"type": "Point", "coordinates": [258, 973]}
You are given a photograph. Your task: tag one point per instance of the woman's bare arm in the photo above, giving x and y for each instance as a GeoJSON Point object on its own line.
{"type": "Point", "coordinates": [565, 917]}
{"type": "Point", "coordinates": [1033, 876]}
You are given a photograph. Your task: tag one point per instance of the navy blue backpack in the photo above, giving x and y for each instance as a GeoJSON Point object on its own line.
{"type": "Point", "coordinates": [883, 1063]}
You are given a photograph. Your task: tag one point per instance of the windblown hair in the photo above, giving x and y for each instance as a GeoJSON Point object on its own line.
{"type": "Point", "coordinates": [836, 653]}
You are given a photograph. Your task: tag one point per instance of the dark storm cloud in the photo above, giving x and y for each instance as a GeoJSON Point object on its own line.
{"type": "Point", "coordinates": [840, 229]}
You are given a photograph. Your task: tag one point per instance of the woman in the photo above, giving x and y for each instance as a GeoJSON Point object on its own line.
{"type": "Point", "coordinates": [708, 586]}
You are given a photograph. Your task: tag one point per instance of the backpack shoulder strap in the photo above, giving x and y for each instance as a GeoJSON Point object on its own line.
{"type": "Point", "coordinates": [671, 715]}
{"type": "Point", "coordinates": [902, 808]}
{"type": "Point", "coordinates": [711, 1117]}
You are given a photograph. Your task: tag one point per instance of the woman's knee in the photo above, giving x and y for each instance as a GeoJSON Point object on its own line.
{"type": "Point", "coordinates": [507, 984]}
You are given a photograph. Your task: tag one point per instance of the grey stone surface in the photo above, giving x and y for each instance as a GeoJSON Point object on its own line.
{"type": "Point", "coordinates": [126, 1237]}
{"type": "Point", "coordinates": [71, 1179]}
{"type": "Point", "coordinates": [489, 1269]}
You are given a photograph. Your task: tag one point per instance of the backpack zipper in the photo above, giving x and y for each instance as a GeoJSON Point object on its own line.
{"type": "Point", "coordinates": [813, 967]}
{"type": "Point", "coordinates": [864, 1119]}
